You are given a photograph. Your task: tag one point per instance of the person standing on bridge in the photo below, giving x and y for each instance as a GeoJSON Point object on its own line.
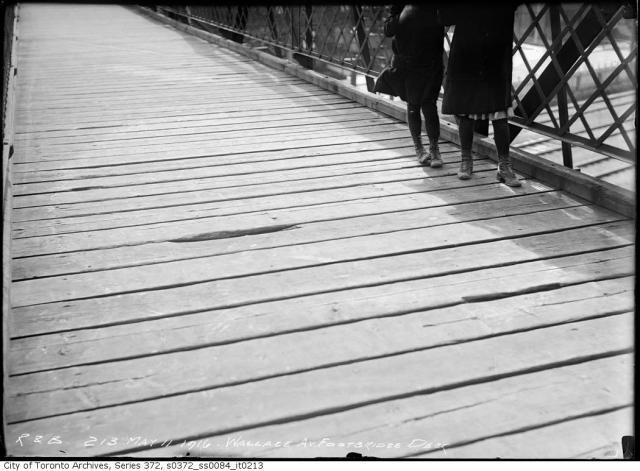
{"type": "Point", "coordinates": [478, 78]}
{"type": "Point", "coordinates": [416, 71]}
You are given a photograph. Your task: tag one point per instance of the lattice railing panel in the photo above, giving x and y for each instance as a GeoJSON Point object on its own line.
{"type": "Point", "coordinates": [574, 64]}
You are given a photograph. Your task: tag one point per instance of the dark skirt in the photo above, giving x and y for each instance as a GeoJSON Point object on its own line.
{"type": "Point", "coordinates": [478, 77]}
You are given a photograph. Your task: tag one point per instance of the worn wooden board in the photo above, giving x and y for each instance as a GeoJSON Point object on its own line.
{"type": "Point", "coordinates": [365, 135]}
{"type": "Point", "coordinates": [275, 124]}
{"type": "Point", "coordinates": [406, 214]}
{"type": "Point", "coordinates": [65, 390]}
{"type": "Point", "coordinates": [256, 120]}
{"type": "Point", "coordinates": [250, 133]}
{"type": "Point", "coordinates": [434, 423]}
{"type": "Point", "coordinates": [293, 256]}
{"type": "Point", "coordinates": [341, 153]}
{"type": "Point", "coordinates": [280, 231]}
{"type": "Point", "coordinates": [451, 186]}
{"type": "Point", "coordinates": [241, 324]}
{"type": "Point", "coordinates": [598, 435]}
{"type": "Point", "coordinates": [383, 293]}
{"type": "Point", "coordinates": [334, 389]}
{"type": "Point", "coordinates": [236, 173]}
{"type": "Point", "coordinates": [411, 178]}
{"type": "Point", "coordinates": [360, 131]}
{"type": "Point", "coordinates": [185, 117]}
{"type": "Point", "coordinates": [115, 130]}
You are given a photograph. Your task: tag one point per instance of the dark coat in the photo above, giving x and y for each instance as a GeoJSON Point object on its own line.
{"type": "Point", "coordinates": [416, 70]}
{"type": "Point", "coordinates": [478, 76]}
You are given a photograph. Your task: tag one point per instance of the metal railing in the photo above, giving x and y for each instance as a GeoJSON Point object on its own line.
{"type": "Point", "coordinates": [574, 64]}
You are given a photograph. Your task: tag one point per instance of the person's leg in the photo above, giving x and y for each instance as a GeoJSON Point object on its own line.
{"type": "Point", "coordinates": [415, 127]}
{"type": "Point", "coordinates": [465, 131]}
{"type": "Point", "coordinates": [505, 167]}
{"type": "Point", "coordinates": [432, 123]}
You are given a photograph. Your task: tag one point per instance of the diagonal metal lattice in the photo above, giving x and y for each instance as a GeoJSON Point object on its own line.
{"type": "Point", "coordinates": [559, 48]}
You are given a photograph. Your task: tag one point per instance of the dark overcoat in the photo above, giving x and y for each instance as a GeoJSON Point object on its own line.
{"type": "Point", "coordinates": [478, 75]}
{"type": "Point", "coordinates": [416, 71]}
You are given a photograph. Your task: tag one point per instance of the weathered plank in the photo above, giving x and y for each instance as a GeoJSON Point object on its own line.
{"type": "Point", "coordinates": [90, 192]}
{"type": "Point", "coordinates": [155, 127]}
{"type": "Point", "coordinates": [596, 436]}
{"type": "Point", "coordinates": [434, 423]}
{"type": "Point", "coordinates": [293, 168]}
{"type": "Point", "coordinates": [346, 387]}
{"type": "Point", "coordinates": [409, 176]}
{"type": "Point", "coordinates": [38, 119]}
{"type": "Point", "coordinates": [341, 153]}
{"type": "Point", "coordinates": [349, 248]}
{"type": "Point", "coordinates": [45, 128]}
{"type": "Point", "coordinates": [191, 331]}
{"type": "Point", "coordinates": [364, 135]}
{"type": "Point", "coordinates": [215, 92]}
{"type": "Point", "coordinates": [256, 133]}
{"type": "Point", "coordinates": [64, 391]}
{"type": "Point", "coordinates": [360, 130]}
{"type": "Point", "coordinates": [406, 207]}
{"type": "Point", "coordinates": [228, 234]}
{"type": "Point", "coordinates": [253, 292]}
{"type": "Point", "coordinates": [273, 123]}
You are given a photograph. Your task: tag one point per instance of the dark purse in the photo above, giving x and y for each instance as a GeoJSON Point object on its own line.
{"type": "Point", "coordinates": [384, 82]}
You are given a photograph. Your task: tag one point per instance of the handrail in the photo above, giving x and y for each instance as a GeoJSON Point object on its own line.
{"type": "Point", "coordinates": [572, 60]}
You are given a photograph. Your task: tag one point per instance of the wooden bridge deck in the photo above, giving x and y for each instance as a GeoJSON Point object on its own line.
{"type": "Point", "coordinates": [215, 258]}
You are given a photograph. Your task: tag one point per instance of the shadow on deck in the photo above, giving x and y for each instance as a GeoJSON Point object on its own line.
{"type": "Point", "coordinates": [214, 258]}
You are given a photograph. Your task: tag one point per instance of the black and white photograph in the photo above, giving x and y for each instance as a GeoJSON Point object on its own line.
{"type": "Point", "coordinates": [319, 231]}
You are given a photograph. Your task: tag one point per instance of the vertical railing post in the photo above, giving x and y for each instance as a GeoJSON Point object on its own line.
{"type": "Point", "coordinates": [274, 31]}
{"type": "Point", "coordinates": [296, 38]}
{"type": "Point", "coordinates": [363, 42]}
{"type": "Point", "coordinates": [563, 112]}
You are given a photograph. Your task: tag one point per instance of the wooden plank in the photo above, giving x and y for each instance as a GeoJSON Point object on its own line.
{"type": "Point", "coordinates": [368, 236]}
{"type": "Point", "coordinates": [177, 94]}
{"type": "Point", "coordinates": [196, 122]}
{"type": "Point", "coordinates": [81, 192]}
{"type": "Point", "coordinates": [49, 393]}
{"type": "Point", "coordinates": [311, 166]}
{"type": "Point", "coordinates": [390, 288]}
{"type": "Point", "coordinates": [357, 130]}
{"type": "Point", "coordinates": [345, 387]}
{"type": "Point", "coordinates": [86, 119]}
{"type": "Point", "coordinates": [435, 422]}
{"type": "Point", "coordinates": [227, 126]}
{"type": "Point", "coordinates": [410, 177]}
{"type": "Point", "coordinates": [46, 129]}
{"type": "Point", "coordinates": [396, 147]}
{"type": "Point", "coordinates": [223, 90]}
{"type": "Point", "coordinates": [597, 436]}
{"type": "Point", "coordinates": [132, 89]}
{"type": "Point", "coordinates": [338, 111]}
{"type": "Point", "coordinates": [340, 241]}
{"type": "Point", "coordinates": [200, 206]}
{"type": "Point", "coordinates": [48, 265]}
{"type": "Point", "coordinates": [191, 331]}
{"type": "Point", "coordinates": [159, 155]}
{"type": "Point", "coordinates": [188, 83]}
{"type": "Point", "coordinates": [31, 118]}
